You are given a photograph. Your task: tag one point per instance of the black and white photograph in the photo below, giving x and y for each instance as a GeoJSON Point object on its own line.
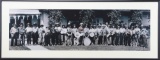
{"type": "Point", "coordinates": [79, 29]}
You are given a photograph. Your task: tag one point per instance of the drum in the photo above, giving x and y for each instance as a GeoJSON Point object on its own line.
{"type": "Point", "coordinates": [87, 41]}
{"type": "Point", "coordinates": [91, 34]}
{"type": "Point", "coordinates": [77, 35]}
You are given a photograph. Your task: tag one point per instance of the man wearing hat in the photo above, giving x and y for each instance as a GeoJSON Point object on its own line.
{"type": "Point", "coordinates": [14, 35]}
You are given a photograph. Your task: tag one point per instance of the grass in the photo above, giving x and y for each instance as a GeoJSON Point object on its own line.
{"type": "Point", "coordinates": [18, 48]}
{"type": "Point", "coordinates": [98, 47]}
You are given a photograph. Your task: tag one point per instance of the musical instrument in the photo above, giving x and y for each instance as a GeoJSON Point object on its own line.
{"type": "Point", "coordinates": [87, 41]}
{"type": "Point", "coordinates": [76, 40]}
{"type": "Point", "coordinates": [91, 34]}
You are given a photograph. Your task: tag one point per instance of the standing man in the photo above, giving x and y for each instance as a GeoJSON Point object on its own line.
{"type": "Point", "coordinates": [104, 34]}
{"type": "Point", "coordinates": [127, 39]}
{"type": "Point", "coordinates": [21, 30]}
{"type": "Point", "coordinates": [41, 32]}
{"type": "Point", "coordinates": [74, 30]}
{"type": "Point", "coordinates": [14, 35]}
{"type": "Point", "coordinates": [69, 40]}
{"type": "Point", "coordinates": [143, 37]}
{"type": "Point", "coordinates": [137, 34]}
{"type": "Point", "coordinates": [117, 42]}
{"type": "Point", "coordinates": [28, 32]}
{"type": "Point", "coordinates": [81, 31]}
{"type": "Point", "coordinates": [35, 34]}
{"type": "Point", "coordinates": [47, 36]}
{"type": "Point", "coordinates": [113, 35]}
{"type": "Point", "coordinates": [58, 34]}
{"type": "Point", "coordinates": [63, 34]}
{"type": "Point", "coordinates": [100, 36]}
{"type": "Point", "coordinates": [53, 35]}
{"type": "Point", "coordinates": [91, 35]}
{"type": "Point", "coordinates": [122, 34]}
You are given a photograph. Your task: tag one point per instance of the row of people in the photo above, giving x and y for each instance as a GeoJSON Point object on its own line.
{"type": "Point", "coordinates": [105, 34]}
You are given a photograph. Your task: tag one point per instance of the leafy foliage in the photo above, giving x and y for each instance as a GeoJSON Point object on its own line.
{"type": "Point", "coordinates": [86, 16]}
{"type": "Point", "coordinates": [55, 16]}
{"type": "Point", "coordinates": [115, 16]}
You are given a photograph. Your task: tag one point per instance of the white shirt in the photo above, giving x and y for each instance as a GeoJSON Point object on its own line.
{"type": "Point", "coordinates": [47, 30]}
{"type": "Point", "coordinates": [117, 31]}
{"type": "Point", "coordinates": [41, 29]}
{"type": "Point", "coordinates": [137, 30]}
{"type": "Point", "coordinates": [13, 30]}
{"type": "Point", "coordinates": [112, 30]}
{"type": "Point", "coordinates": [86, 30]}
{"type": "Point", "coordinates": [58, 29]}
{"type": "Point", "coordinates": [144, 32]}
{"type": "Point", "coordinates": [63, 31]}
{"type": "Point", "coordinates": [35, 29]}
{"type": "Point", "coordinates": [122, 30]}
{"type": "Point", "coordinates": [99, 31]}
{"type": "Point", "coordinates": [28, 29]}
{"type": "Point", "coordinates": [74, 30]}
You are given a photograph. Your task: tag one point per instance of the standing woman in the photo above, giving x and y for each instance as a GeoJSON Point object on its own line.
{"type": "Point", "coordinates": [14, 33]}
{"type": "Point", "coordinates": [21, 30]}
{"type": "Point", "coordinates": [28, 32]}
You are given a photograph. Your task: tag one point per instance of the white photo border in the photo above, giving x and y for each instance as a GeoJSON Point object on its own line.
{"type": "Point", "coordinates": [152, 6]}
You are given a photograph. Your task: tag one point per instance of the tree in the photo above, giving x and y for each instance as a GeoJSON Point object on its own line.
{"type": "Point", "coordinates": [115, 16]}
{"type": "Point", "coordinates": [86, 16]}
{"type": "Point", "coordinates": [55, 16]}
{"type": "Point", "coordinates": [136, 17]}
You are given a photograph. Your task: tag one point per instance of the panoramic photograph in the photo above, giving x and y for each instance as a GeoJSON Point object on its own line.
{"type": "Point", "coordinates": [79, 29]}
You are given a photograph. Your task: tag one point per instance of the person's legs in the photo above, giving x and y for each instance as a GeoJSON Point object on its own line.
{"type": "Point", "coordinates": [16, 36]}
{"type": "Point", "coordinates": [53, 39]}
{"type": "Point", "coordinates": [56, 36]}
{"type": "Point", "coordinates": [33, 36]}
{"type": "Point", "coordinates": [22, 37]}
{"type": "Point", "coordinates": [37, 38]}
{"type": "Point", "coordinates": [12, 40]}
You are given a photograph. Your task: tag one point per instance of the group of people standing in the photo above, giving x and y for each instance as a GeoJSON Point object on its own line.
{"type": "Point", "coordinates": [101, 34]}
